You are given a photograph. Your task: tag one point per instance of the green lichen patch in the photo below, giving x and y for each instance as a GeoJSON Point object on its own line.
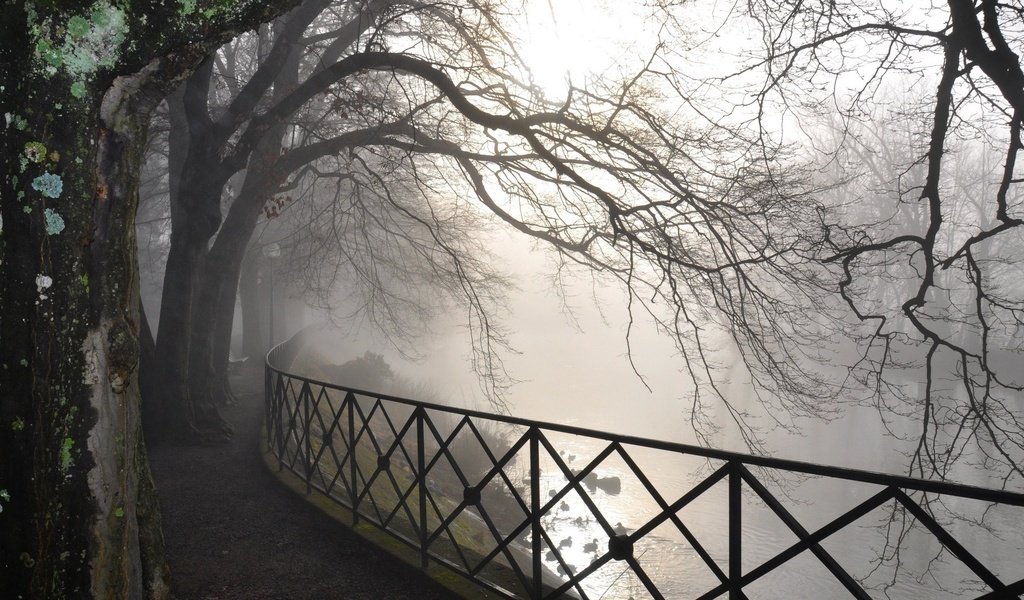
{"type": "Point", "coordinates": [94, 42]}
{"type": "Point", "coordinates": [49, 185]}
{"type": "Point", "coordinates": [65, 454]}
{"type": "Point", "coordinates": [35, 152]}
{"type": "Point", "coordinates": [78, 27]}
{"type": "Point", "coordinates": [50, 55]}
{"type": "Point", "coordinates": [54, 222]}
{"type": "Point", "coordinates": [82, 45]}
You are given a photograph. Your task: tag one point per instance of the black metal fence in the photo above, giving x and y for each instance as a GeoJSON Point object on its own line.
{"type": "Point", "coordinates": [486, 495]}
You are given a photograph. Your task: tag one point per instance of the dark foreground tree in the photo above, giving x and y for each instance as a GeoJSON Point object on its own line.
{"type": "Point", "coordinates": [79, 81]}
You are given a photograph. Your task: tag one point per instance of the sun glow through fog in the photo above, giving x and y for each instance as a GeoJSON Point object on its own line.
{"type": "Point", "coordinates": [577, 40]}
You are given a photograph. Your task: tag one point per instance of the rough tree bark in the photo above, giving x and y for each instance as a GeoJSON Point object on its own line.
{"type": "Point", "coordinates": [74, 466]}
{"type": "Point", "coordinates": [79, 80]}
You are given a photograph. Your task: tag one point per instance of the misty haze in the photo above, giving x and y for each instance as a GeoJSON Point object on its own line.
{"type": "Point", "coordinates": [523, 299]}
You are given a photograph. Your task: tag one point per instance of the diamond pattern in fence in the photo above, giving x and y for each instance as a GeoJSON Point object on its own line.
{"type": "Point", "coordinates": [540, 510]}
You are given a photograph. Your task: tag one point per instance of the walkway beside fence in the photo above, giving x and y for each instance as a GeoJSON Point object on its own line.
{"type": "Point", "coordinates": [233, 531]}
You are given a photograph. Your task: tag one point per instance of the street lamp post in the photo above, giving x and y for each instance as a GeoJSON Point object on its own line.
{"type": "Point", "coordinates": [271, 251]}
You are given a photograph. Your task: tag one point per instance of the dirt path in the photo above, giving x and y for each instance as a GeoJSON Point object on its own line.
{"type": "Point", "coordinates": [234, 532]}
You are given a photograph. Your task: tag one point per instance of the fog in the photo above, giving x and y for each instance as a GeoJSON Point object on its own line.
{"type": "Point", "coordinates": [571, 362]}
{"type": "Point", "coordinates": [572, 365]}
{"type": "Point", "coordinates": [669, 239]}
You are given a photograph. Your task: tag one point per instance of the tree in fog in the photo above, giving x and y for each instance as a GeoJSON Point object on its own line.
{"type": "Point", "coordinates": [207, 149]}
{"type": "Point", "coordinates": [603, 176]}
{"type": "Point", "coordinates": [928, 275]}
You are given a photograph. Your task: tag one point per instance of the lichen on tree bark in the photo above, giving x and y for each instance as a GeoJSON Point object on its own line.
{"type": "Point", "coordinates": [79, 517]}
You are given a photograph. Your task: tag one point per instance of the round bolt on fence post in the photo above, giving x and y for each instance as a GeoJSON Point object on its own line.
{"type": "Point", "coordinates": [620, 547]}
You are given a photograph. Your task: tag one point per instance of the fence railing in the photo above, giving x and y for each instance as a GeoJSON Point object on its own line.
{"type": "Point", "coordinates": [489, 495]}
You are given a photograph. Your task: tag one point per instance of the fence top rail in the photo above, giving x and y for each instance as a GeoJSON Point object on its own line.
{"type": "Point", "coordinates": [859, 475]}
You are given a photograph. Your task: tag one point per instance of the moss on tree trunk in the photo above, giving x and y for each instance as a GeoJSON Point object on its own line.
{"type": "Point", "coordinates": [78, 82]}
{"type": "Point", "coordinates": [74, 470]}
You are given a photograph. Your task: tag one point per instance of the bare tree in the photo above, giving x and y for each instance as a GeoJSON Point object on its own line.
{"type": "Point", "coordinates": [686, 216]}
{"type": "Point", "coordinates": [222, 128]}
{"type": "Point", "coordinates": [677, 181]}
{"type": "Point", "coordinates": [950, 241]}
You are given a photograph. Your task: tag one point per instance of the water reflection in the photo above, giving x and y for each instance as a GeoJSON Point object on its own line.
{"type": "Point", "coordinates": [882, 549]}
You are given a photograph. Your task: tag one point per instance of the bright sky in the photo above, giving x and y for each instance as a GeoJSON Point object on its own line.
{"type": "Point", "coordinates": [577, 39]}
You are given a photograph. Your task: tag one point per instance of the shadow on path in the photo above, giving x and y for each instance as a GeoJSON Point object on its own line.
{"type": "Point", "coordinates": [234, 532]}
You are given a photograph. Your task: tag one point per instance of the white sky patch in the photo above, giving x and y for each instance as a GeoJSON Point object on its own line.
{"type": "Point", "coordinates": [580, 39]}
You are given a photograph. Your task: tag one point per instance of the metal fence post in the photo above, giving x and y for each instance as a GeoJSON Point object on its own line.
{"type": "Point", "coordinates": [268, 406]}
{"type": "Point", "coordinates": [421, 467]}
{"type": "Point", "coordinates": [535, 529]}
{"type": "Point", "coordinates": [277, 391]}
{"type": "Point", "coordinates": [350, 399]}
{"type": "Point", "coordinates": [735, 533]}
{"type": "Point", "coordinates": [306, 396]}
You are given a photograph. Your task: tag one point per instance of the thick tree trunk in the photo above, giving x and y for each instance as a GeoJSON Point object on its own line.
{"type": "Point", "coordinates": [79, 514]}
{"type": "Point", "coordinates": [223, 328]}
{"type": "Point", "coordinates": [211, 331]}
{"type": "Point", "coordinates": [195, 217]}
{"type": "Point", "coordinates": [211, 326]}
{"type": "Point", "coordinates": [215, 301]}
{"type": "Point", "coordinates": [186, 416]}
